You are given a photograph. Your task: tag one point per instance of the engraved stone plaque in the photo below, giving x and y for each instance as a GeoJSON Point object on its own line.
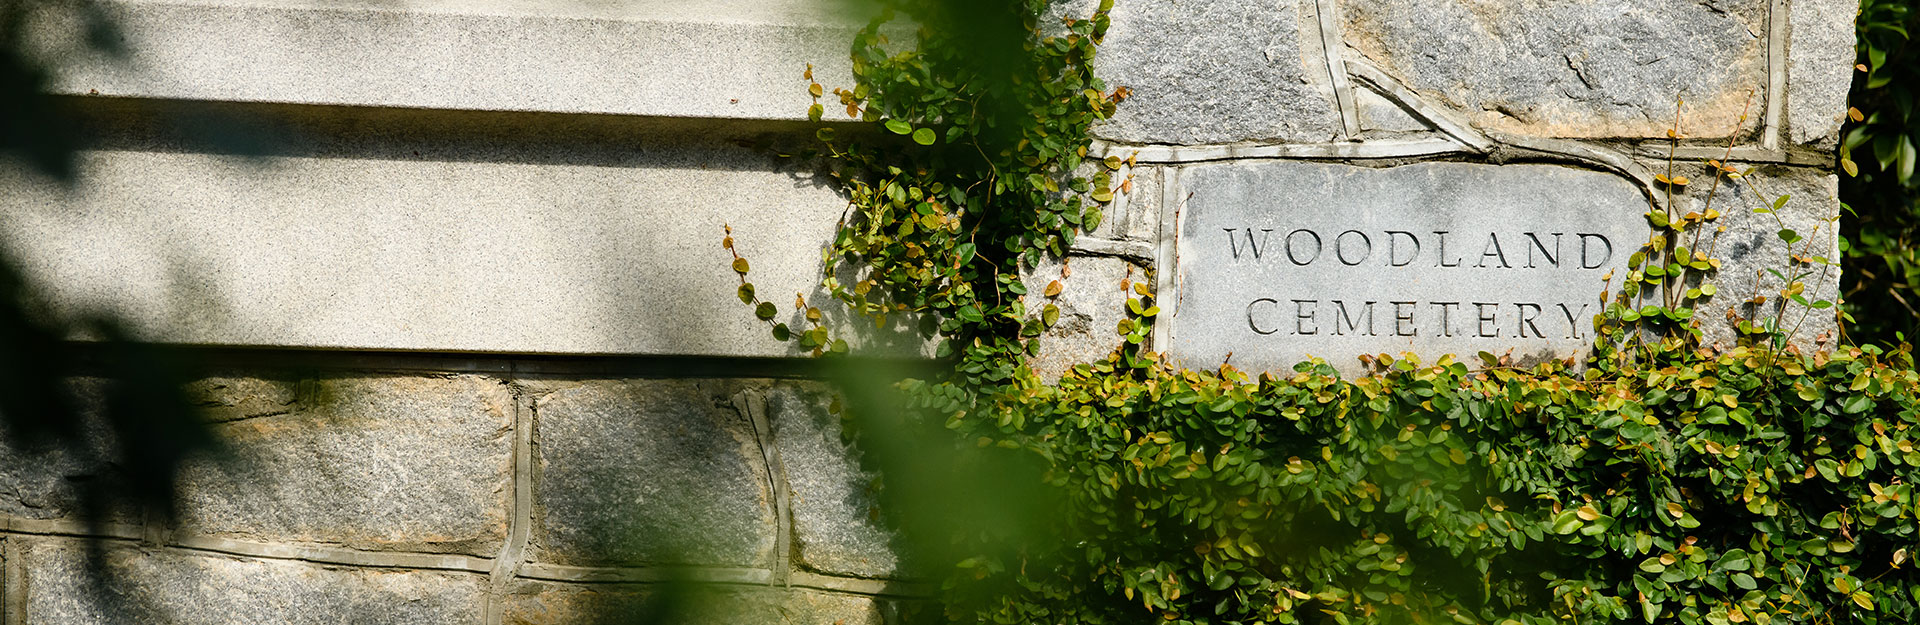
{"type": "Point", "coordinates": [1274, 262]}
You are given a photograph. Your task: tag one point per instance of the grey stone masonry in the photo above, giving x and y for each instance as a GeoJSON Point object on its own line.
{"type": "Point", "coordinates": [163, 586]}
{"type": "Point", "coordinates": [493, 228]}
{"type": "Point", "coordinates": [1819, 69]}
{"type": "Point", "coordinates": [1751, 249]}
{"type": "Point", "coordinates": [484, 496]}
{"type": "Point", "coordinates": [649, 472]}
{"type": "Point", "coordinates": [1217, 72]}
{"type": "Point", "coordinates": [38, 480]}
{"type": "Point", "coordinates": [376, 462]}
{"type": "Point", "coordinates": [731, 59]}
{"type": "Point", "coordinates": [837, 528]}
{"type": "Point", "coordinates": [1280, 261]}
{"type": "Point", "coordinates": [1607, 68]}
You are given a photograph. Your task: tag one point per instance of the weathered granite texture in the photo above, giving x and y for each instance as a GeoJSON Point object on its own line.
{"type": "Point", "coordinates": [837, 528]}
{"type": "Point", "coordinates": [1819, 69]}
{"type": "Point", "coordinates": [540, 603]}
{"type": "Point", "coordinates": [422, 463]}
{"type": "Point", "coordinates": [428, 237]}
{"type": "Point", "coordinates": [1751, 247]}
{"type": "Point", "coordinates": [1562, 68]}
{"type": "Point", "coordinates": [1278, 261]}
{"type": "Point", "coordinates": [1092, 302]}
{"type": "Point", "coordinates": [169, 586]}
{"type": "Point", "coordinates": [41, 480]}
{"type": "Point", "coordinates": [733, 59]}
{"type": "Point", "coordinates": [1217, 71]}
{"type": "Point", "coordinates": [649, 472]}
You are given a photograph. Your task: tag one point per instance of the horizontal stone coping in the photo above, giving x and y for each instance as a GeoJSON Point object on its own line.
{"type": "Point", "coordinates": [734, 59]}
{"type": "Point", "coordinates": [336, 555]}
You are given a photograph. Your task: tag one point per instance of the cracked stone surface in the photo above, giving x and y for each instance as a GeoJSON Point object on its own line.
{"type": "Point", "coordinates": [1578, 69]}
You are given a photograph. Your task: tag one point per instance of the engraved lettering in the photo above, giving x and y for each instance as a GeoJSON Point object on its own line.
{"type": "Point", "coordinates": [1573, 326]}
{"type": "Point", "coordinates": [1446, 318]}
{"type": "Point", "coordinates": [1584, 236]}
{"type": "Point", "coordinates": [1255, 327]}
{"type": "Point", "coordinates": [1301, 315]}
{"type": "Point", "coordinates": [1527, 321]}
{"type": "Point", "coordinates": [1316, 247]}
{"type": "Point", "coordinates": [1403, 319]}
{"type": "Point", "coordinates": [1493, 249]}
{"type": "Point", "coordinates": [1252, 245]}
{"type": "Point", "coordinates": [1553, 258]}
{"type": "Point", "coordinates": [1340, 248]}
{"type": "Point", "coordinates": [1488, 319]}
{"type": "Point", "coordinates": [1393, 248]}
{"type": "Point", "coordinates": [1443, 250]}
{"type": "Point", "coordinates": [1340, 313]}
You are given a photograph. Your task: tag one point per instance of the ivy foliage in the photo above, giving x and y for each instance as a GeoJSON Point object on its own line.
{"type": "Point", "coordinates": [981, 128]}
{"type": "Point", "coordinates": [1878, 153]}
{"type": "Point", "coordinates": [1656, 482]}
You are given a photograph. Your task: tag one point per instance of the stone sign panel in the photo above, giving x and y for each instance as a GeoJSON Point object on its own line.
{"type": "Point", "coordinates": [1275, 262]}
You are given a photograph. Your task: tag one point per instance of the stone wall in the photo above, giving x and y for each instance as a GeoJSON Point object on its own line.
{"type": "Point", "coordinates": [469, 491]}
{"type": "Point", "coordinates": [505, 378]}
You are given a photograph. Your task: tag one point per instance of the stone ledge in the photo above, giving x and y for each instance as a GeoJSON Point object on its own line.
{"type": "Point", "coordinates": [422, 241]}
{"type": "Point", "coordinates": [162, 585]}
{"type": "Point", "coordinates": [724, 60]}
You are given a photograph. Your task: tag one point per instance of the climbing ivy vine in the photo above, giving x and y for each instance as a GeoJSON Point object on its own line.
{"type": "Point", "coordinates": [1657, 481]}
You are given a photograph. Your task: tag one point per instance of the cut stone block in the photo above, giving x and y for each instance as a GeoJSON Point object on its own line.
{"type": "Point", "coordinates": [1278, 261]}
{"type": "Point", "coordinates": [420, 463]}
{"type": "Point", "coordinates": [165, 586]}
{"type": "Point", "coordinates": [1820, 71]}
{"type": "Point", "coordinates": [649, 472]}
{"type": "Point", "coordinates": [1752, 245]}
{"type": "Point", "coordinates": [413, 240]}
{"type": "Point", "coordinates": [1600, 68]}
{"type": "Point", "coordinates": [1092, 302]}
{"type": "Point", "coordinates": [1217, 71]}
{"type": "Point", "coordinates": [837, 527]}
{"type": "Point", "coordinates": [731, 59]}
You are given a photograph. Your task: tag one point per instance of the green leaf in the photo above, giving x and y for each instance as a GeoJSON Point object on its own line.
{"type": "Point", "coordinates": [899, 127]}
{"type": "Point", "coordinates": [1567, 522]}
{"type": "Point", "coordinates": [780, 332]}
{"type": "Point", "coordinates": [746, 293]}
{"type": "Point", "coordinates": [924, 136]}
{"type": "Point", "coordinates": [766, 311]}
